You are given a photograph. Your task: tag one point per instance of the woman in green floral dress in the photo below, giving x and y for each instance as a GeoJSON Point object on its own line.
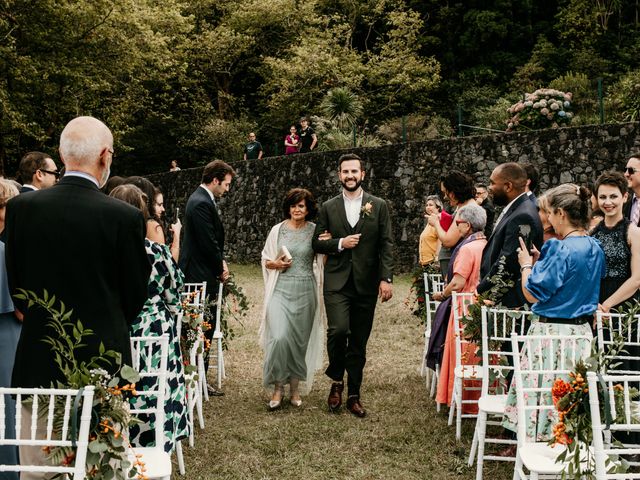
{"type": "Point", "coordinates": [159, 317]}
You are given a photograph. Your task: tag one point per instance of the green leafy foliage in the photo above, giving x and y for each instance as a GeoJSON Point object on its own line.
{"type": "Point", "coordinates": [107, 457]}
{"type": "Point", "coordinates": [574, 414]}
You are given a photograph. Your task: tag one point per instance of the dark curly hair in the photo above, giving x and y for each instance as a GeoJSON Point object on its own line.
{"type": "Point", "coordinates": [296, 195]}
{"type": "Point", "coordinates": [459, 184]}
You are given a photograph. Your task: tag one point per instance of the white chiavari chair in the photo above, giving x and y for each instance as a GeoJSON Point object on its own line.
{"type": "Point", "coordinates": [143, 349]}
{"type": "Point", "coordinates": [463, 372]}
{"type": "Point", "coordinates": [539, 360]}
{"type": "Point", "coordinates": [497, 366]}
{"type": "Point", "coordinates": [217, 339]}
{"type": "Point", "coordinates": [610, 324]}
{"type": "Point", "coordinates": [41, 432]}
{"type": "Point", "coordinates": [620, 420]}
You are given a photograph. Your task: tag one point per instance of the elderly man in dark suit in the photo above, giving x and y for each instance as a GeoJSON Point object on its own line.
{"type": "Point", "coordinates": [85, 248]}
{"type": "Point", "coordinates": [358, 269]}
{"type": "Point", "coordinates": [519, 218]}
{"type": "Point", "coordinates": [202, 252]}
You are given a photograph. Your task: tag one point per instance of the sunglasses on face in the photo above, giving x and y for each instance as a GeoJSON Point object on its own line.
{"type": "Point", "coordinates": [55, 173]}
{"type": "Point", "coordinates": [631, 170]}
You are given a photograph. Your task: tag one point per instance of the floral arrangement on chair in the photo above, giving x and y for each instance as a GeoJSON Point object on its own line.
{"type": "Point", "coordinates": [544, 108]}
{"type": "Point", "coordinates": [235, 305]}
{"type": "Point", "coordinates": [107, 456]}
{"type": "Point", "coordinates": [417, 291]}
{"type": "Point", "coordinates": [192, 318]}
{"type": "Point", "coordinates": [472, 321]}
{"type": "Point", "coordinates": [571, 399]}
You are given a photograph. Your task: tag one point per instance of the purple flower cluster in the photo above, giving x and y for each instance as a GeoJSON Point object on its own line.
{"type": "Point", "coordinates": [544, 108]}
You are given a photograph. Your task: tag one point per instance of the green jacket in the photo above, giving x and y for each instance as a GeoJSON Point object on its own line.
{"type": "Point", "coordinates": [371, 260]}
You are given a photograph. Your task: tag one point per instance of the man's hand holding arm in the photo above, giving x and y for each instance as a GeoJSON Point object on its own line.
{"type": "Point", "coordinates": [320, 243]}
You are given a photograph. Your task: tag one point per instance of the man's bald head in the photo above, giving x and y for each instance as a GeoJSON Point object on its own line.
{"type": "Point", "coordinates": [514, 173]}
{"type": "Point", "coordinates": [86, 145]}
{"type": "Point", "coordinates": [83, 141]}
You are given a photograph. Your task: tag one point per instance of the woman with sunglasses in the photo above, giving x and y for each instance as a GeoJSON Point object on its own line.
{"type": "Point", "coordinates": [464, 272]}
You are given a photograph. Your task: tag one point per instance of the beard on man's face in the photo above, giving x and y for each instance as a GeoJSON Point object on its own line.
{"type": "Point", "coordinates": [351, 188]}
{"type": "Point", "coordinates": [500, 198]}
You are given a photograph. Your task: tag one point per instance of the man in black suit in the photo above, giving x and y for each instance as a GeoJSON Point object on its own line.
{"type": "Point", "coordinates": [37, 171]}
{"type": "Point", "coordinates": [82, 246]}
{"type": "Point", "coordinates": [519, 218]}
{"type": "Point", "coordinates": [632, 173]}
{"type": "Point", "coordinates": [202, 250]}
{"type": "Point", "coordinates": [358, 269]}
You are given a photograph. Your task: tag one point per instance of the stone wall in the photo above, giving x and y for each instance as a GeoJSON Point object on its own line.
{"type": "Point", "coordinates": [403, 174]}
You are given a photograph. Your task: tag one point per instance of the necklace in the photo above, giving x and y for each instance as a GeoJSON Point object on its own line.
{"type": "Point", "coordinates": [572, 231]}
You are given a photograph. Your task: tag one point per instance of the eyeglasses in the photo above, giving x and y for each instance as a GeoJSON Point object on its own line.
{"type": "Point", "coordinates": [56, 173]}
{"type": "Point", "coordinates": [631, 170]}
{"type": "Point", "coordinates": [459, 222]}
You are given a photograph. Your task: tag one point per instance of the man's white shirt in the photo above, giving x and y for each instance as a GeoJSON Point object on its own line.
{"type": "Point", "coordinates": [352, 208]}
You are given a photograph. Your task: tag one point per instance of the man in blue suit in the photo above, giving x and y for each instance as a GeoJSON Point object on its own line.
{"type": "Point", "coordinates": [519, 218]}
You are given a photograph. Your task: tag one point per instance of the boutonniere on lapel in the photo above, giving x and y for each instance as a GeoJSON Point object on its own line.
{"type": "Point", "coordinates": [366, 209]}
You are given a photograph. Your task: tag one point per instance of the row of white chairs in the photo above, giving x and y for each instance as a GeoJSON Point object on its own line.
{"type": "Point", "coordinates": [65, 433]}
{"type": "Point", "coordinates": [194, 296]}
{"type": "Point", "coordinates": [157, 462]}
{"type": "Point", "coordinates": [498, 327]}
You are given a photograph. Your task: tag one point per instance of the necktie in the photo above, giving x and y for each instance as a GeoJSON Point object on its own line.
{"type": "Point", "coordinates": [500, 217]}
{"type": "Point", "coordinates": [635, 211]}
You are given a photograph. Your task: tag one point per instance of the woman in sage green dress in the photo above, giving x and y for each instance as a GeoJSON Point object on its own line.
{"type": "Point", "coordinates": [291, 332]}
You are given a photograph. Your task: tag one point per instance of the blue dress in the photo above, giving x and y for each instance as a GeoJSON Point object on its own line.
{"type": "Point", "coordinates": [9, 334]}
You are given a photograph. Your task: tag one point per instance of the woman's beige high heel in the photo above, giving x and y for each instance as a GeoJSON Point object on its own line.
{"type": "Point", "coordinates": [276, 404]}
{"type": "Point", "coordinates": [295, 399]}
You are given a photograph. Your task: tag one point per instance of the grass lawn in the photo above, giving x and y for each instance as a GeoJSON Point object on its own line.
{"type": "Point", "coordinates": [401, 438]}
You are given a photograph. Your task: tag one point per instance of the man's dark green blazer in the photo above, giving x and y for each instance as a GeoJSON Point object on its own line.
{"type": "Point", "coordinates": [371, 260]}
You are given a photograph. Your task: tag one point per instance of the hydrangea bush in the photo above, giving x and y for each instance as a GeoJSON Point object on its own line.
{"type": "Point", "coordinates": [544, 108]}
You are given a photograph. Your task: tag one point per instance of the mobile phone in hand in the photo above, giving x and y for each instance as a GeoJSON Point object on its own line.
{"type": "Point", "coordinates": [525, 234]}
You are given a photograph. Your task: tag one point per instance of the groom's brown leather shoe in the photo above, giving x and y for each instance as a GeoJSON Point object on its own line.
{"type": "Point", "coordinates": [335, 396]}
{"type": "Point", "coordinates": [355, 407]}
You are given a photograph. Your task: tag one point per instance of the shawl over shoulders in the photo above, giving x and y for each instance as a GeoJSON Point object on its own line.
{"type": "Point", "coordinates": [316, 340]}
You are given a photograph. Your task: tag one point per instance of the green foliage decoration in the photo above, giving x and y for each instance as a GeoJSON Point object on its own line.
{"type": "Point", "coordinates": [107, 456]}
{"type": "Point", "coordinates": [571, 399]}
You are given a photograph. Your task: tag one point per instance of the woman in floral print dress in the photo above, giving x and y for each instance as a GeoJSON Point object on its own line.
{"type": "Point", "coordinates": [158, 317]}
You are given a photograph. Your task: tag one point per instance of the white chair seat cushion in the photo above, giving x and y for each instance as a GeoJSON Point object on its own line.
{"type": "Point", "coordinates": [469, 372]}
{"type": "Point", "coordinates": [492, 403]}
{"type": "Point", "coordinates": [541, 457]}
{"type": "Point", "coordinates": [156, 461]}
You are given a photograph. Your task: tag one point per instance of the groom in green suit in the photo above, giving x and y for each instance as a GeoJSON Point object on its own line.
{"type": "Point", "coordinates": [358, 270]}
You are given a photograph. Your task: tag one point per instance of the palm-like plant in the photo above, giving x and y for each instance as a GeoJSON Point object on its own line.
{"type": "Point", "coordinates": [342, 106]}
